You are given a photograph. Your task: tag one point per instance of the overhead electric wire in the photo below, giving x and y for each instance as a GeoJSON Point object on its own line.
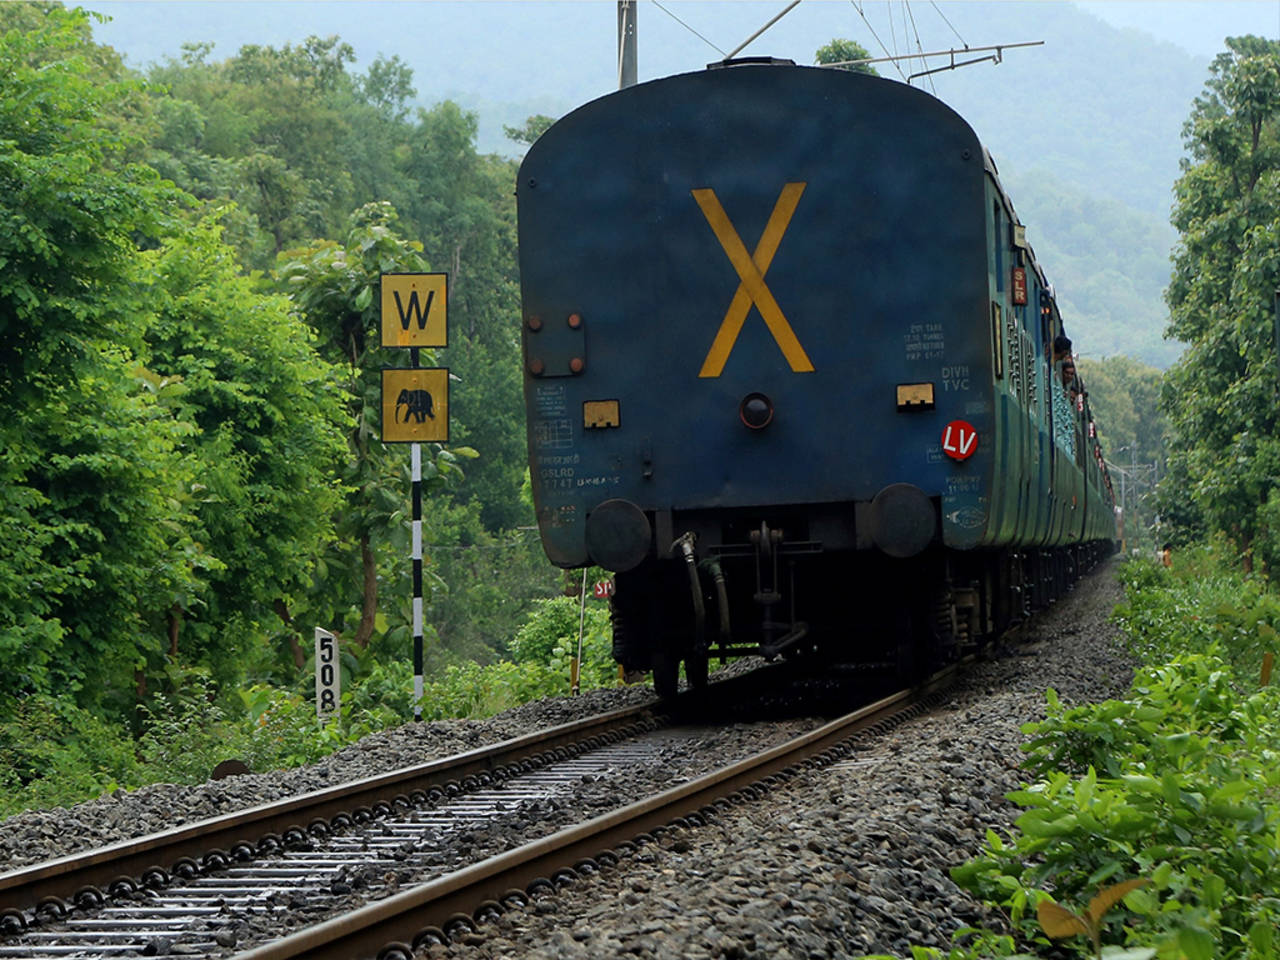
{"type": "Point", "coordinates": [689, 28]}
{"type": "Point", "coordinates": [738, 49]}
{"type": "Point", "coordinates": [935, 6]}
{"type": "Point", "coordinates": [919, 47]}
{"type": "Point", "coordinates": [893, 32]}
{"type": "Point", "coordinates": [887, 54]}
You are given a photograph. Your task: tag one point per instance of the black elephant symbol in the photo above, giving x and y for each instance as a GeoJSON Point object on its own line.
{"type": "Point", "coordinates": [417, 404]}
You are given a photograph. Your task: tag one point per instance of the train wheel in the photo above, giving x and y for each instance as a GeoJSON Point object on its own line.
{"type": "Point", "coordinates": [666, 674]}
{"type": "Point", "coordinates": [696, 667]}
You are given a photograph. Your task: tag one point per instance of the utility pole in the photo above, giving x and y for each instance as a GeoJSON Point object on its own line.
{"type": "Point", "coordinates": [626, 43]}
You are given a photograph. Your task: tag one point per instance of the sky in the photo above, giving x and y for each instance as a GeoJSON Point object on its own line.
{"type": "Point", "coordinates": [151, 29]}
{"type": "Point", "coordinates": [1195, 25]}
{"type": "Point", "coordinates": [508, 59]}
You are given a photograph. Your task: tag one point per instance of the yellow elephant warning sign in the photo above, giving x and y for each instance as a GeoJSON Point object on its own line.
{"type": "Point", "coordinates": [415, 405]}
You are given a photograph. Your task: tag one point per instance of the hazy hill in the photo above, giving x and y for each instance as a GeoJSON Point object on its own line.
{"type": "Point", "coordinates": [1086, 129]}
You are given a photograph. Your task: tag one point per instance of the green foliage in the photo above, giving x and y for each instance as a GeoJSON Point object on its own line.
{"type": "Point", "coordinates": [54, 753]}
{"type": "Point", "coordinates": [266, 415]}
{"type": "Point", "coordinates": [1177, 783]}
{"type": "Point", "coordinates": [1199, 607]}
{"type": "Point", "coordinates": [190, 475]}
{"type": "Point", "coordinates": [335, 288]}
{"type": "Point", "coordinates": [550, 636]}
{"type": "Point", "coordinates": [266, 128]}
{"type": "Point", "coordinates": [533, 127]}
{"type": "Point", "coordinates": [90, 482]}
{"type": "Point", "coordinates": [839, 51]}
{"type": "Point", "coordinates": [475, 691]}
{"type": "Point", "coordinates": [543, 649]}
{"type": "Point", "coordinates": [1124, 395]}
{"type": "Point", "coordinates": [480, 585]}
{"type": "Point", "coordinates": [1221, 397]}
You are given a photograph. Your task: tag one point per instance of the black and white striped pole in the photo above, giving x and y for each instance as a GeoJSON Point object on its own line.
{"type": "Point", "coordinates": [415, 406]}
{"type": "Point", "coordinates": [415, 481]}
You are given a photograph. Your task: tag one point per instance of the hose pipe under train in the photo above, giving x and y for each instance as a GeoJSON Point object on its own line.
{"type": "Point", "coordinates": [685, 545]}
{"type": "Point", "coordinates": [712, 566]}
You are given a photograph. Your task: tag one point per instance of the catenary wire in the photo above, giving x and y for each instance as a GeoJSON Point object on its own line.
{"type": "Point", "coordinates": [689, 28]}
{"type": "Point", "coordinates": [738, 49]}
{"type": "Point", "coordinates": [962, 40]}
{"type": "Point", "coordinates": [919, 47]}
{"type": "Point", "coordinates": [858, 7]}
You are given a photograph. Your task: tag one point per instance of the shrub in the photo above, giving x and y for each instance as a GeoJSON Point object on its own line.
{"type": "Point", "coordinates": [1178, 783]}
{"type": "Point", "coordinates": [54, 753]}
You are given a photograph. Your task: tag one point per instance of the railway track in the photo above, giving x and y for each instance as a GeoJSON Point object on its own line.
{"type": "Point", "coordinates": [207, 904]}
{"type": "Point", "coordinates": [54, 888]}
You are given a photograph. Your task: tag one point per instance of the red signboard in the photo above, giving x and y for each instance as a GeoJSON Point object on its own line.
{"type": "Point", "coordinates": [1019, 286]}
{"type": "Point", "coordinates": [604, 590]}
{"type": "Point", "coordinates": [959, 439]}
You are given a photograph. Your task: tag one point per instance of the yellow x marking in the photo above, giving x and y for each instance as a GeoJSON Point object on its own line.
{"type": "Point", "coordinates": [752, 288]}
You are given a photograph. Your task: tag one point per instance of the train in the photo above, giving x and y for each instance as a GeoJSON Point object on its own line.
{"type": "Point", "coordinates": [789, 374]}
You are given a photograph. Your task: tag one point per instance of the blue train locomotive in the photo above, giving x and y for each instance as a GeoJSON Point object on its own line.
{"type": "Point", "coordinates": [788, 371]}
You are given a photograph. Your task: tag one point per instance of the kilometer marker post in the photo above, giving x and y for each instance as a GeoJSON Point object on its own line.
{"type": "Point", "coordinates": [415, 406]}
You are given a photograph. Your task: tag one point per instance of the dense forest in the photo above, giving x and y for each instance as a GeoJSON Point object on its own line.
{"type": "Point", "coordinates": [190, 475]}
{"type": "Point", "coordinates": [190, 470]}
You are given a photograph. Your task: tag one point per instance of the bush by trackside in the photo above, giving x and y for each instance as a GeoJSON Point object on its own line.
{"type": "Point", "coordinates": [1187, 798]}
{"type": "Point", "coordinates": [53, 753]}
{"type": "Point", "coordinates": [1177, 784]}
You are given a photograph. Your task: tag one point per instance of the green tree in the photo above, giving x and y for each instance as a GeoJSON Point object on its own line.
{"type": "Point", "coordinates": [94, 492]}
{"type": "Point", "coordinates": [1124, 397]}
{"type": "Point", "coordinates": [269, 127]}
{"type": "Point", "coordinates": [266, 414]}
{"type": "Point", "coordinates": [289, 134]}
{"type": "Point", "coordinates": [534, 127]}
{"type": "Point", "coordinates": [840, 51]}
{"type": "Point", "coordinates": [1222, 396]}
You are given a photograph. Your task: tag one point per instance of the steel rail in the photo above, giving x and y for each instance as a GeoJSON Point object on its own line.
{"type": "Point", "coordinates": [398, 920]}
{"type": "Point", "coordinates": [26, 888]}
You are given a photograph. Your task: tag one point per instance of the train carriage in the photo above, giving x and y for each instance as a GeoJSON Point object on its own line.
{"type": "Point", "coordinates": [788, 368]}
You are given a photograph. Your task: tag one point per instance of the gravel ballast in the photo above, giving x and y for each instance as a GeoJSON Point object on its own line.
{"type": "Point", "coordinates": [850, 859]}
{"type": "Point", "coordinates": [38, 835]}
{"type": "Point", "coordinates": [847, 860]}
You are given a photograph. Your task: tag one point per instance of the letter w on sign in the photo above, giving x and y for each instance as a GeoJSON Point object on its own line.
{"type": "Point", "coordinates": [752, 288]}
{"type": "Point", "coordinates": [414, 310]}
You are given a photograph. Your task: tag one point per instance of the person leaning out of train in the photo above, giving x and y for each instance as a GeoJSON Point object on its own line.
{"type": "Point", "coordinates": [1061, 349]}
{"type": "Point", "coordinates": [1064, 374]}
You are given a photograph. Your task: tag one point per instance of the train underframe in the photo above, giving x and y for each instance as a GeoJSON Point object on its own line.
{"type": "Point", "coordinates": [792, 599]}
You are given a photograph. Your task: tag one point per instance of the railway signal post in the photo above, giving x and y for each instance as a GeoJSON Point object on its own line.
{"type": "Point", "coordinates": [415, 403]}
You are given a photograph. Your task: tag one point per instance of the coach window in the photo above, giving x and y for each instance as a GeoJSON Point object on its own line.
{"type": "Point", "coordinates": [996, 224]}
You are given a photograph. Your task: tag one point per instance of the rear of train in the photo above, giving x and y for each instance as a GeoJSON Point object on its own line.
{"type": "Point", "coordinates": [761, 359]}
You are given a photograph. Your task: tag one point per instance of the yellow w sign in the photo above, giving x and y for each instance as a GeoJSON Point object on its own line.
{"type": "Point", "coordinates": [751, 287]}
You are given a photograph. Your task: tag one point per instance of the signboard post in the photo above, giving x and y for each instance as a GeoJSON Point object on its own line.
{"type": "Point", "coordinates": [328, 676]}
{"type": "Point", "coordinates": [415, 403]}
